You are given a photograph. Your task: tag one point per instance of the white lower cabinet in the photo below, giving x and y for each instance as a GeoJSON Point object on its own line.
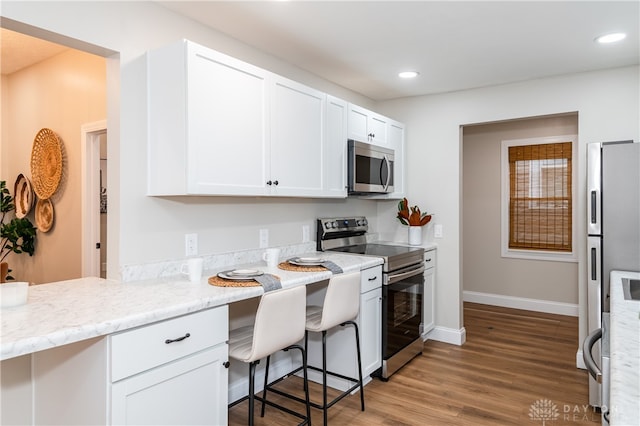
{"type": "Point", "coordinates": [172, 372]}
{"type": "Point", "coordinates": [341, 344]}
{"type": "Point", "coordinates": [429, 296]}
{"type": "Point", "coordinates": [190, 391]}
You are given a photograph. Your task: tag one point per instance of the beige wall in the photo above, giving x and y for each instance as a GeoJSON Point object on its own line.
{"type": "Point", "coordinates": [484, 270]}
{"type": "Point", "coordinates": [61, 93]}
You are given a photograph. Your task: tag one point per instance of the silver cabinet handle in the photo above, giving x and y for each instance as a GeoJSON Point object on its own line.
{"type": "Point", "coordinates": [592, 367]}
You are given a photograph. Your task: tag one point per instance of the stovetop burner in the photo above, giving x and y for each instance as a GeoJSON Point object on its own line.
{"type": "Point", "coordinates": [381, 250]}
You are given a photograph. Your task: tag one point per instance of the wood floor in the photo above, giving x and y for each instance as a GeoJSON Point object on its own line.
{"type": "Point", "coordinates": [516, 368]}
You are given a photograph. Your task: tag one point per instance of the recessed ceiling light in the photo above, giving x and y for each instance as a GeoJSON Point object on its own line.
{"type": "Point", "coordinates": [408, 74]}
{"type": "Point", "coordinates": [610, 38]}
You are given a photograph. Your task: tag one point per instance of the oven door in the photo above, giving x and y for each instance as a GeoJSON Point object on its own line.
{"type": "Point", "coordinates": [370, 168]}
{"type": "Point", "coordinates": [402, 297]}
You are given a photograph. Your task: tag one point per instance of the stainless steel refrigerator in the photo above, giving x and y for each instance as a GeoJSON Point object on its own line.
{"type": "Point", "coordinates": [613, 218]}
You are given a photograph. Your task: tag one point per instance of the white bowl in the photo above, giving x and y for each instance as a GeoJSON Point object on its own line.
{"type": "Point", "coordinates": [13, 294]}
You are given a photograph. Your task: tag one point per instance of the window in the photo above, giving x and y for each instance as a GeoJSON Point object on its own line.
{"type": "Point", "coordinates": [538, 200]}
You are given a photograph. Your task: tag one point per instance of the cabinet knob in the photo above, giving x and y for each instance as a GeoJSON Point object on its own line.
{"type": "Point", "coordinates": [269, 182]}
{"type": "Point", "coordinates": [275, 182]}
{"type": "Point", "coordinates": [226, 364]}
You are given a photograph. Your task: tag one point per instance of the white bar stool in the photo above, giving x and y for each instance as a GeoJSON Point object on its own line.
{"type": "Point", "coordinates": [341, 305]}
{"type": "Point", "coordinates": [279, 325]}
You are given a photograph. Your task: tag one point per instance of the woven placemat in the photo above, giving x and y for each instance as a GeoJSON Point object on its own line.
{"type": "Point", "coordinates": [291, 267]}
{"type": "Point", "coordinates": [221, 282]}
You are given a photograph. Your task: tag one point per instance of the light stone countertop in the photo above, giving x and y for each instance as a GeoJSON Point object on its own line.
{"type": "Point", "coordinates": [625, 354]}
{"type": "Point", "coordinates": [70, 311]}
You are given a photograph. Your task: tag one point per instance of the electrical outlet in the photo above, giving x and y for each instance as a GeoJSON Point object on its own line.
{"type": "Point", "coordinates": [190, 244]}
{"type": "Point", "coordinates": [305, 233]}
{"type": "Point", "coordinates": [264, 238]}
{"type": "Point", "coordinates": [437, 231]}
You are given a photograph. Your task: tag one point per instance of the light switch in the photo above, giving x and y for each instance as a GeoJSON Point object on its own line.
{"type": "Point", "coordinates": [437, 231]}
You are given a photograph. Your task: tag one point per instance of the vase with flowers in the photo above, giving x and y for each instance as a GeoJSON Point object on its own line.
{"type": "Point", "coordinates": [414, 219]}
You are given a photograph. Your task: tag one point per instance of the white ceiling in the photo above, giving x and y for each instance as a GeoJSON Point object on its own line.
{"type": "Point", "coordinates": [362, 45]}
{"type": "Point", "coordinates": [455, 45]}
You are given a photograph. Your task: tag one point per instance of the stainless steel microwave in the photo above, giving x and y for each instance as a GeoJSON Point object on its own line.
{"type": "Point", "coordinates": [369, 168]}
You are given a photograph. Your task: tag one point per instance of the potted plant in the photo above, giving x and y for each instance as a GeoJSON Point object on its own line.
{"type": "Point", "coordinates": [17, 235]}
{"type": "Point", "coordinates": [414, 219]}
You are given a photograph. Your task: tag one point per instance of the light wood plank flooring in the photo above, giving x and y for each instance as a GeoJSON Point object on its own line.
{"type": "Point", "coordinates": [512, 360]}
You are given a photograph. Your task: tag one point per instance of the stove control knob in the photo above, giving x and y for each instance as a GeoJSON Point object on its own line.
{"type": "Point", "coordinates": [327, 225]}
{"type": "Point", "coordinates": [335, 224]}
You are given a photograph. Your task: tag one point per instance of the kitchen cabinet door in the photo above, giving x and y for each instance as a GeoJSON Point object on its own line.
{"type": "Point", "coordinates": [396, 142]}
{"type": "Point", "coordinates": [334, 162]}
{"type": "Point", "coordinates": [370, 322]}
{"type": "Point", "coordinates": [297, 139]}
{"type": "Point", "coordinates": [367, 126]}
{"type": "Point", "coordinates": [189, 391]}
{"type": "Point", "coordinates": [208, 123]}
{"type": "Point", "coordinates": [429, 295]}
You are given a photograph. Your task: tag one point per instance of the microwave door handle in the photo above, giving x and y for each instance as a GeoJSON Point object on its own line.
{"type": "Point", "coordinates": [386, 161]}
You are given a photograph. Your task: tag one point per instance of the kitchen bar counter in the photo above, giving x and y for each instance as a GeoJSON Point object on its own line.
{"type": "Point", "coordinates": [65, 312]}
{"type": "Point", "coordinates": [625, 354]}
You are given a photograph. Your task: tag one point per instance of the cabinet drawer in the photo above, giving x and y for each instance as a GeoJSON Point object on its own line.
{"type": "Point", "coordinates": [370, 278]}
{"type": "Point", "coordinates": [146, 347]}
{"type": "Point", "coordinates": [430, 259]}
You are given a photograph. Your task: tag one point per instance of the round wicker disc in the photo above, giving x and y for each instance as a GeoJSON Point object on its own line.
{"type": "Point", "coordinates": [44, 215]}
{"type": "Point", "coordinates": [46, 163]}
{"type": "Point", "coordinates": [221, 282]}
{"type": "Point", "coordinates": [22, 196]}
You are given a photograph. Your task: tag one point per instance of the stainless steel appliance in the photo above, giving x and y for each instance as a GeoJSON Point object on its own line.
{"type": "Point", "coordinates": [402, 290]}
{"type": "Point", "coordinates": [369, 168]}
{"type": "Point", "coordinates": [613, 209]}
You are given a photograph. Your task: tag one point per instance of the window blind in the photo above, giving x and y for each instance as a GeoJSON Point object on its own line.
{"type": "Point", "coordinates": [540, 204]}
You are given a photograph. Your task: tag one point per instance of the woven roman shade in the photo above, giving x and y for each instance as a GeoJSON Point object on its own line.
{"type": "Point", "coordinates": [540, 204]}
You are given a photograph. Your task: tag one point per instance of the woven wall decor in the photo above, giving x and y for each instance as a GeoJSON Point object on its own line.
{"type": "Point", "coordinates": [46, 163]}
{"type": "Point", "coordinates": [44, 215]}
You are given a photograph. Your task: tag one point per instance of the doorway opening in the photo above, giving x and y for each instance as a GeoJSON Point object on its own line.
{"type": "Point", "coordinates": [94, 199]}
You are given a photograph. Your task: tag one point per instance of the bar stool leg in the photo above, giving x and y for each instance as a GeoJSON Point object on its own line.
{"type": "Point", "coordinates": [359, 362]}
{"type": "Point", "coordinates": [266, 381]}
{"type": "Point", "coordinates": [252, 374]}
{"type": "Point", "coordinates": [324, 376]}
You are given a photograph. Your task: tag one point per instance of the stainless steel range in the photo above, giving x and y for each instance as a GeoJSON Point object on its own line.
{"type": "Point", "coordinates": [402, 290]}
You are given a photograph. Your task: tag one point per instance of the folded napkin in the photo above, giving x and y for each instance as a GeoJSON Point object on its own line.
{"type": "Point", "coordinates": [269, 282]}
{"type": "Point", "coordinates": [332, 267]}
{"type": "Point", "coordinates": [327, 264]}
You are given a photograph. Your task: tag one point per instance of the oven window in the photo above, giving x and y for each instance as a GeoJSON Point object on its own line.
{"type": "Point", "coordinates": [401, 314]}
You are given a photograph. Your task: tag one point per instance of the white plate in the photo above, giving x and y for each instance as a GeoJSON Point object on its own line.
{"type": "Point", "coordinates": [245, 272]}
{"type": "Point", "coordinates": [307, 261]}
{"type": "Point", "coordinates": [227, 275]}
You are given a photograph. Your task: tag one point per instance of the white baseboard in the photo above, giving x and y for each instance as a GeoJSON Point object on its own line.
{"type": "Point", "coordinates": [447, 335]}
{"type": "Point", "coordinates": [580, 360]}
{"type": "Point", "coordinates": [536, 305]}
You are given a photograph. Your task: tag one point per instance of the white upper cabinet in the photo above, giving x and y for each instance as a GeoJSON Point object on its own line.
{"type": "Point", "coordinates": [367, 126]}
{"type": "Point", "coordinates": [208, 123]}
{"type": "Point", "coordinates": [396, 142]}
{"type": "Point", "coordinates": [220, 126]}
{"type": "Point", "coordinates": [297, 139]}
{"type": "Point", "coordinates": [335, 149]}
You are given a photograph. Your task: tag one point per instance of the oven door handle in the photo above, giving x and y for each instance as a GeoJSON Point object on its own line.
{"type": "Point", "coordinates": [591, 365]}
{"type": "Point", "coordinates": [401, 276]}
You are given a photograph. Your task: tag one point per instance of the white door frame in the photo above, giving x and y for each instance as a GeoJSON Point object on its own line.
{"type": "Point", "coordinates": [90, 153]}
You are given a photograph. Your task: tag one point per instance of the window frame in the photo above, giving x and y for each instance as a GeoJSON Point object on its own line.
{"type": "Point", "coordinates": [546, 255]}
